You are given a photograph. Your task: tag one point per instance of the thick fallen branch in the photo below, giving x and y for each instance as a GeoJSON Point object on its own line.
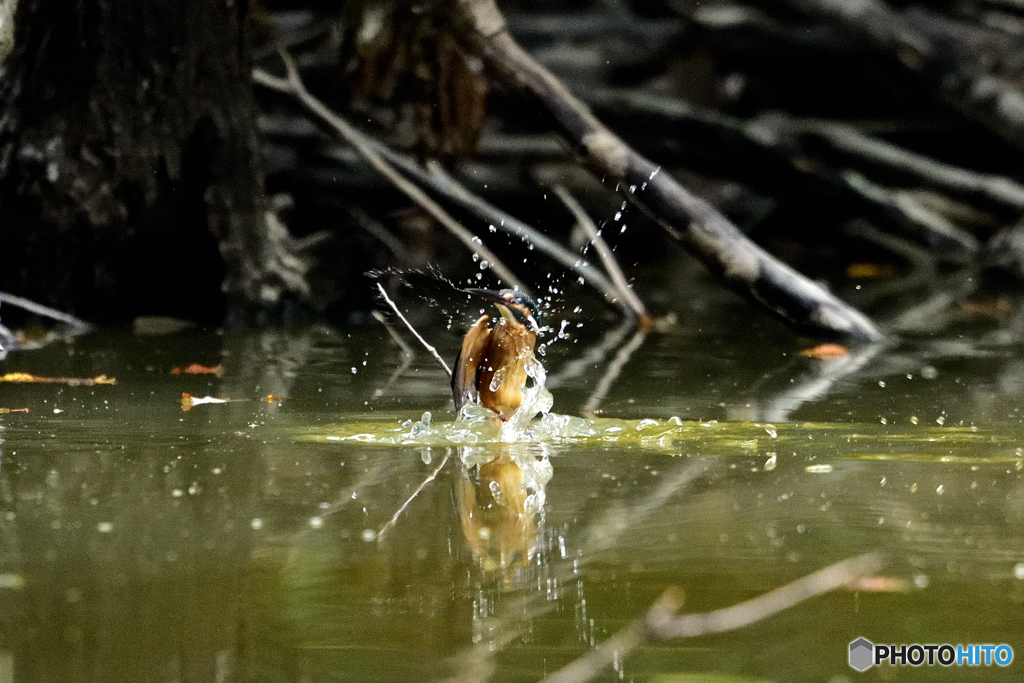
{"type": "Point", "coordinates": [697, 225]}
{"type": "Point", "coordinates": [770, 152]}
{"type": "Point", "coordinates": [662, 622]}
{"type": "Point", "coordinates": [957, 70]}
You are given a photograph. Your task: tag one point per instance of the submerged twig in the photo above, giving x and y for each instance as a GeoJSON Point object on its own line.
{"type": "Point", "coordinates": [662, 623]}
{"type": "Point", "coordinates": [293, 85]}
{"type": "Point", "coordinates": [593, 356]}
{"type": "Point", "coordinates": [630, 301]}
{"type": "Point", "coordinates": [45, 311]}
{"type": "Point", "coordinates": [407, 354]}
{"type": "Point", "coordinates": [428, 347]}
{"type": "Point", "coordinates": [828, 373]}
{"type": "Point", "coordinates": [613, 371]}
{"type": "Point", "coordinates": [398, 513]}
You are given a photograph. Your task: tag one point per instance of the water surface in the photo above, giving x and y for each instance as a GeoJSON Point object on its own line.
{"type": "Point", "coordinates": [254, 541]}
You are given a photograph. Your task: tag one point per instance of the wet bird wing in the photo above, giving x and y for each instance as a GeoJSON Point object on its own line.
{"type": "Point", "coordinates": [464, 373]}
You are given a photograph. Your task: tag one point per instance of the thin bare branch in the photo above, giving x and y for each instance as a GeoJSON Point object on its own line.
{"type": "Point", "coordinates": [293, 85]}
{"type": "Point", "coordinates": [438, 180]}
{"type": "Point", "coordinates": [433, 352]}
{"type": "Point", "coordinates": [630, 300]}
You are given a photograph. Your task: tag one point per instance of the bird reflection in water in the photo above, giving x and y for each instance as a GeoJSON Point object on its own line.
{"type": "Point", "coordinates": [500, 495]}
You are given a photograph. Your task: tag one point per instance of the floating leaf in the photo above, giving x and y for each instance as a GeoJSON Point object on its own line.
{"type": "Point", "coordinates": [197, 369]}
{"type": "Point", "coordinates": [24, 377]}
{"type": "Point", "coordinates": [188, 401]}
{"type": "Point", "coordinates": [825, 351]}
{"type": "Point", "coordinates": [868, 271]}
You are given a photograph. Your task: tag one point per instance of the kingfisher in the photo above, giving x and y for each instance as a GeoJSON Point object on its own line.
{"type": "Point", "coordinates": [491, 366]}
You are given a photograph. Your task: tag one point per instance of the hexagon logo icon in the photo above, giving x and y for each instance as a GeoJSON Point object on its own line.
{"type": "Point", "coordinates": [862, 654]}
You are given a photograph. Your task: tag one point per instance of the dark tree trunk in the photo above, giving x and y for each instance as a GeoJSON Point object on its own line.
{"type": "Point", "coordinates": [132, 178]}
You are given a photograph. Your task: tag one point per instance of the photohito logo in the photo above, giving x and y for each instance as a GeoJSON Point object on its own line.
{"type": "Point", "coordinates": [864, 654]}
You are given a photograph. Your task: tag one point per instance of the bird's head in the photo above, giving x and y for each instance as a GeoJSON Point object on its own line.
{"type": "Point", "coordinates": [514, 306]}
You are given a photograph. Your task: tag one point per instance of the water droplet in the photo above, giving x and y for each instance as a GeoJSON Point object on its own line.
{"type": "Point", "coordinates": [818, 469]}
{"type": "Point", "coordinates": [1018, 571]}
{"type": "Point", "coordinates": [921, 581]}
{"type": "Point", "coordinates": [881, 384]}
{"type": "Point", "coordinates": [498, 378]}
{"type": "Point", "coordinates": [940, 420]}
{"type": "Point", "coordinates": [770, 429]}
{"type": "Point", "coordinates": [929, 372]}
{"type": "Point", "coordinates": [316, 522]}
{"type": "Point", "coordinates": [914, 420]}
{"type": "Point", "coordinates": [177, 493]}
{"type": "Point", "coordinates": [256, 523]}
{"type": "Point", "coordinates": [354, 371]}
{"type": "Point", "coordinates": [940, 490]}
{"type": "Point", "coordinates": [105, 527]}
{"type": "Point", "coordinates": [492, 228]}
{"type": "Point", "coordinates": [769, 464]}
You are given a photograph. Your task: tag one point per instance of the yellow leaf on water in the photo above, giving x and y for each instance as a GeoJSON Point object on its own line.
{"type": "Point", "coordinates": [24, 377]}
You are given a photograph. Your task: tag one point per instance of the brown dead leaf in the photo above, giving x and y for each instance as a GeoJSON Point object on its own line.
{"type": "Point", "coordinates": [24, 377]}
{"type": "Point", "coordinates": [197, 369]}
{"type": "Point", "coordinates": [985, 309]}
{"type": "Point", "coordinates": [13, 410]}
{"type": "Point", "coordinates": [868, 271]}
{"type": "Point", "coordinates": [825, 351]}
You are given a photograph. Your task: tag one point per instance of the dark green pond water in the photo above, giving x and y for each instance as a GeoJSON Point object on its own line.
{"type": "Point", "coordinates": [256, 541]}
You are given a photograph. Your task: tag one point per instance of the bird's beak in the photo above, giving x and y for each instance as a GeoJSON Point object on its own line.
{"type": "Point", "coordinates": [502, 304]}
{"type": "Point", "coordinates": [488, 294]}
